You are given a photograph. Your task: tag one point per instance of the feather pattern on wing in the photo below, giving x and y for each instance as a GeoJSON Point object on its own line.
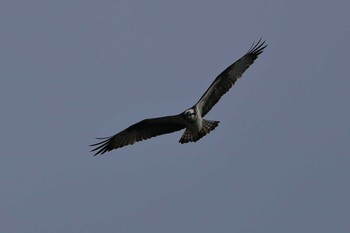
{"type": "Point", "coordinates": [228, 77]}
{"type": "Point", "coordinates": [142, 130]}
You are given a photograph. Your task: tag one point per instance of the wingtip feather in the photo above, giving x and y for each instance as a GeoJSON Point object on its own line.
{"type": "Point", "coordinates": [258, 47]}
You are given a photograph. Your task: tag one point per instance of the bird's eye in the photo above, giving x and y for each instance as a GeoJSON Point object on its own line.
{"type": "Point", "coordinates": [189, 113]}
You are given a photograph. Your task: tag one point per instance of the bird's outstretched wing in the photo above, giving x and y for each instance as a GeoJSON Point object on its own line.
{"type": "Point", "coordinates": [228, 77]}
{"type": "Point", "coordinates": [142, 130]}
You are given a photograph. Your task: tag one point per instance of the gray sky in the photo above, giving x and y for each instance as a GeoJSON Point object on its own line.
{"type": "Point", "coordinates": [75, 70]}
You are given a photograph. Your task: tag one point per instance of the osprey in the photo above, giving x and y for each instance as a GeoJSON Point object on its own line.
{"type": "Point", "coordinates": [191, 119]}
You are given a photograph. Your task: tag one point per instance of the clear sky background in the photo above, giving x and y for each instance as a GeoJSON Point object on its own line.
{"type": "Point", "coordinates": [75, 70]}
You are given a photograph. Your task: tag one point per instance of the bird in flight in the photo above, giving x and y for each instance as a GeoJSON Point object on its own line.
{"type": "Point", "coordinates": [191, 119]}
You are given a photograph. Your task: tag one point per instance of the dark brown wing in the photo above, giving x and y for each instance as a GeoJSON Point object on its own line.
{"type": "Point", "coordinates": [228, 77]}
{"type": "Point", "coordinates": [142, 130]}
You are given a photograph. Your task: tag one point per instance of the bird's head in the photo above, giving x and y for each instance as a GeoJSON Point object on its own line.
{"type": "Point", "coordinates": [190, 114]}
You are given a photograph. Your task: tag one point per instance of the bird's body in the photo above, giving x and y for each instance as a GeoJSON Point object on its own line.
{"type": "Point", "coordinates": [196, 126]}
{"type": "Point", "coordinates": [192, 119]}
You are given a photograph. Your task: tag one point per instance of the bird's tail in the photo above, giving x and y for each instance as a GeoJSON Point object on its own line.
{"type": "Point", "coordinates": [208, 126]}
